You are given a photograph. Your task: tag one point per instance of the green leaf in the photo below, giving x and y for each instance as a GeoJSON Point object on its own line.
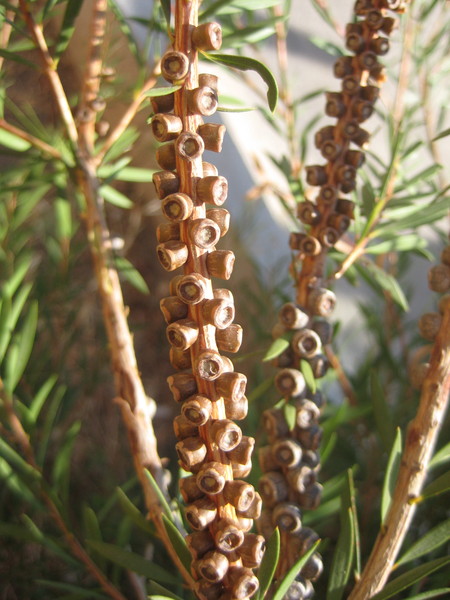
{"type": "Point", "coordinates": [127, 32]}
{"type": "Point", "coordinates": [269, 563]}
{"type": "Point", "coordinates": [326, 45]}
{"type": "Point", "coordinates": [68, 587]}
{"type": "Point", "coordinates": [430, 594]}
{"type": "Point", "coordinates": [381, 411]}
{"type": "Point", "coordinates": [156, 589]}
{"type": "Point", "coordinates": [114, 197]}
{"type": "Point", "coordinates": [133, 512]}
{"type": "Point", "coordinates": [443, 134]}
{"type": "Point", "coordinates": [161, 91]}
{"type": "Point", "coordinates": [19, 353]}
{"type": "Point", "coordinates": [41, 396]}
{"type": "Point", "coordinates": [162, 500]}
{"type": "Point", "coordinates": [178, 543]}
{"type": "Point", "coordinates": [244, 63]}
{"type": "Point", "coordinates": [12, 141]}
{"type": "Point", "coordinates": [390, 478]}
{"type": "Point", "coordinates": [62, 464]}
{"type": "Point", "coordinates": [64, 225]}
{"type": "Point", "coordinates": [135, 174]}
{"type": "Point", "coordinates": [276, 348]}
{"type": "Point", "coordinates": [21, 267]}
{"type": "Point", "coordinates": [131, 274]}
{"type": "Point", "coordinates": [165, 5]}
{"type": "Point", "coordinates": [430, 541]}
{"type": "Point", "coordinates": [131, 561]}
{"type": "Point", "coordinates": [68, 26]}
{"type": "Point", "coordinates": [407, 579]}
{"type": "Point", "coordinates": [292, 573]}
{"type": "Point", "coordinates": [308, 374]}
{"type": "Point", "coordinates": [290, 412]}
{"type": "Point", "coordinates": [344, 553]}
{"type": "Point", "coordinates": [378, 278]}
{"type": "Point", "coordinates": [221, 7]}
{"type": "Point", "coordinates": [441, 457]}
{"type": "Point", "coordinates": [17, 58]}
{"type": "Point", "coordinates": [403, 243]}
{"type": "Point", "coordinates": [46, 541]}
{"type": "Point", "coordinates": [436, 487]}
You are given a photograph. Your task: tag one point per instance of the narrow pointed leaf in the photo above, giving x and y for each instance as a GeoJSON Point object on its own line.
{"type": "Point", "coordinates": [162, 500]}
{"type": "Point", "coordinates": [269, 563]}
{"type": "Point", "coordinates": [443, 134]}
{"type": "Point", "coordinates": [441, 457]}
{"type": "Point", "coordinates": [431, 594]}
{"type": "Point", "coordinates": [308, 374]}
{"type": "Point", "coordinates": [74, 589]}
{"type": "Point", "coordinates": [161, 91]}
{"type": "Point", "coordinates": [157, 589]}
{"type": "Point", "coordinates": [390, 477]}
{"type": "Point", "coordinates": [276, 348]}
{"type": "Point", "coordinates": [131, 274]}
{"type": "Point", "coordinates": [381, 411]}
{"type": "Point", "coordinates": [430, 541]}
{"type": "Point", "coordinates": [115, 197]}
{"type": "Point", "coordinates": [68, 25]}
{"type": "Point", "coordinates": [133, 512]}
{"type": "Point", "coordinates": [410, 578]}
{"type": "Point", "coordinates": [438, 486]}
{"type": "Point", "coordinates": [41, 396]}
{"type": "Point", "coordinates": [178, 543]}
{"type": "Point", "coordinates": [292, 573]}
{"type": "Point", "coordinates": [12, 141]}
{"type": "Point", "coordinates": [45, 540]}
{"type": "Point", "coordinates": [131, 561]}
{"type": "Point", "coordinates": [244, 63]}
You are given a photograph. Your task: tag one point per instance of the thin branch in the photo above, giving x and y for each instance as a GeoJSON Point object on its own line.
{"type": "Point", "coordinates": [420, 441]}
{"type": "Point", "coordinates": [6, 30]}
{"type": "Point", "coordinates": [127, 117]}
{"type": "Point", "coordinates": [31, 139]}
{"type": "Point", "coordinates": [22, 439]}
{"type": "Point", "coordinates": [49, 68]}
{"type": "Point", "coordinates": [91, 79]}
{"type": "Point", "coordinates": [344, 382]}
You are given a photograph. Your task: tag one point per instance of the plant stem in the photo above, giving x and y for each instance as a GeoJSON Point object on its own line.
{"type": "Point", "coordinates": [420, 441]}
{"type": "Point", "coordinates": [31, 139]}
{"type": "Point", "coordinates": [22, 439]}
{"type": "Point", "coordinates": [5, 32]}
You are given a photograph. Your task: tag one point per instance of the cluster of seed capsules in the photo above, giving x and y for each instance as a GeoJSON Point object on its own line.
{"type": "Point", "coordinates": [291, 461]}
{"type": "Point", "coordinates": [430, 323]}
{"type": "Point", "coordinates": [329, 216]}
{"type": "Point", "coordinates": [211, 446]}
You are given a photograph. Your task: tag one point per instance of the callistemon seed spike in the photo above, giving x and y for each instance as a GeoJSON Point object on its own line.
{"type": "Point", "coordinates": [220, 506]}
{"type": "Point", "coordinates": [290, 461]}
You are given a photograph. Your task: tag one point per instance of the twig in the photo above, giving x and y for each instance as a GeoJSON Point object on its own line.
{"type": "Point", "coordinates": [51, 73]}
{"type": "Point", "coordinates": [5, 32]}
{"type": "Point", "coordinates": [126, 118]}
{"type": "Point", "coordinates": [344, 382]}
{"type": "Point", "coordinates": [31, 139]}
{"type": "Point", "coordinates": [22, 439]}
{"type": "Point", "coordinates": [420, 440]}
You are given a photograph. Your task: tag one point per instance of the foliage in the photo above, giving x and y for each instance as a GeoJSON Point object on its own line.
{"type": "Point", "coordinates": [66, 527]}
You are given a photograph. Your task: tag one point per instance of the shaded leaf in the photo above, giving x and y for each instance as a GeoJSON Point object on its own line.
{"type": "Point", "coordinates": [390, 478]}
{"type": "Point", "coordinates": [430, 541]}
{"type": "Point", "coordinates": [276, 348]}
{"type": "Point", "coordinates": [292, 573]}
{"type": "Point", "coordinates": [133, 512]}
{"type": "Point", "coordinates": [269, 563]}
{"type": "Point", "coordinates": [165, 5]}
{"type": "Point", "coordinates": [46, 541]}
{"type": "Point", "coordinates": [178, 543]}
{"type": "Point", "coordinates": [381, 411]}
{"type": "Point", "coordinates": [68, 587]}
{"type": "Point", "coordinates": [162, 500]}
{"type": "Point", "coordinates": [127, 32]}
{"type": "Point", "coordinates": [436, 487]}
{"type": "Point", "coordinates": [378, 278]}
{"type": "Point", "coordinates": [8, 55]}
{"type": "Point", "coordinates": [73, 7]}
{"type": "Point", "coordinates": [430, 594]}
{"type": "Point", "coordinates": [40, 397]}
{"type": "Point", "coordinates": [244, 63]}
{"type": "Point", "coordinates": [19, 353]}
{"type": "Point", "coordinates": [407, 579]}
{"type": "Point", "coordinates": [131, 561]}
{"type": "Point", "coordinates": [161, 91]}
{"type": "Point", "coordinates": [131, 274]}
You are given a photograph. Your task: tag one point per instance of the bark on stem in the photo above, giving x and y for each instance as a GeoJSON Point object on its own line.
{"type": "Point", "coordinates": [420, 441]}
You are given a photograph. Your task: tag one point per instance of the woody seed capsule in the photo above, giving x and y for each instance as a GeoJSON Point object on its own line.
{"type": "Point", "coordinates": [173, 309]}
{"type": "Point", "coordinates": [220, 263]}
{"type": "Point", "coordinates": [191, 288]}
{"type": "Point", "coordinates": [191, 452]}
{"type": "Point", "coordinates": [229, 339]}
{"type": "Point", "coordinates": [221, 217]}
{"type": "Point", "coordinates": [213, 566]}
{"type": "Point", "coordinates": [174, 66]}
{"type": "Point", "coordinates": [287, 453]}
{"type": "Point", "coordinates": [180, 359]}
{"type": "Point", "coordinates": [166, 232]}
{"type": "Point", "coordinates": [199, 543]}
{"type": "Point", "coordinates": [165, 183]}
{"type": "Point", "coordinates": [227, 535]}
{"type": "Point", "coordinates": [287, 517]}
{"type": "Point", "coordinates": [172, 254]}
{"type": "Point", "coordinates": [204, 233]}
{"type": "Point", "coordinates": [189, 489]}
{"type": "Point", "coordinates": [165, 127]}
{"type": "Point", "coordinates": [273, 488]}
{"type": "Point", "coordinates": [306, 343]}
{"type": "Point", "coordinates": [209, 365]}
{"type": "Point", "coordinates": [226, 434]}
{"type": "Point", "coordinates": [310, 246]}
{"type": "Point", "coordinates": [252, 550]}
{"type": "Point", "coordinates": [211, 478]}
{"type": "Point", "coordinates": [162, 104]}
{"type": "Point", "coordinates": [429, 325]}
{"type": "Point", "coordinates": [212, 135]}
{"type": "Point", "coordinates": [165, 156]}
{"type": "Point", "coordinates": [182, 385]}
{"type": "Point", "coordinates": [207, 36]}
{"type": "Point", "coordinates": [212, 189]}
{"type": "Point", "coordinates": [292, 317]}
{"type": "Point", "coordinates": [189, 146]}
{"type": "Point", "coordinates": [439, 278]}
{"type": "Point", "coordinates": [177, 207]}
{"type": "Point", "coordinates": [184, 428]}
{"type": "Point", "coordinates": [197, 409]}
{"type": "Point", "coordinates": [240, 494]}
{"type": "Point", "coordinates": [290, 382]}
{"type": "Point", "coordinates": [202, 101]}
{"type": "Point", "coordinates": [201, 513]}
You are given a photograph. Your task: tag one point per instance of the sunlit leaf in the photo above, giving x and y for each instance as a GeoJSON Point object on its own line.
{"type": "Point", "coordinates": [115, 197]}
{"type": "Point", "coordinates": [178, 543]}
{"type": "Point", "coordinates": [441, 457]}
{"type": "Point", "coordinates": [161, 91]}
{"type": "Point", "coordinates": [292, 573]}
{"type": "Point", "coordinates": [12, 141]}
{"type": "Point", "coordinates": [436, 487]}
{"type": "Point", "coordinates": [73, 8]}
{"type": "Point", "coordinates": [131, 274]}
{"type": "Point", "coordinates": [162, 500]}
{"type": "Point", "coordinates": [157, 589]}
{"type": "Point", "coordinates": [244, 63]}
{"type": "Point", "coordinates": [308, 374]}
{"type": "Point", "coordinates": [276, 348]}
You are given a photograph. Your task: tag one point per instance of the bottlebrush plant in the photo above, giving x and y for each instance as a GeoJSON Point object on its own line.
{"type": "Point", "coordinates": [325, 506]}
